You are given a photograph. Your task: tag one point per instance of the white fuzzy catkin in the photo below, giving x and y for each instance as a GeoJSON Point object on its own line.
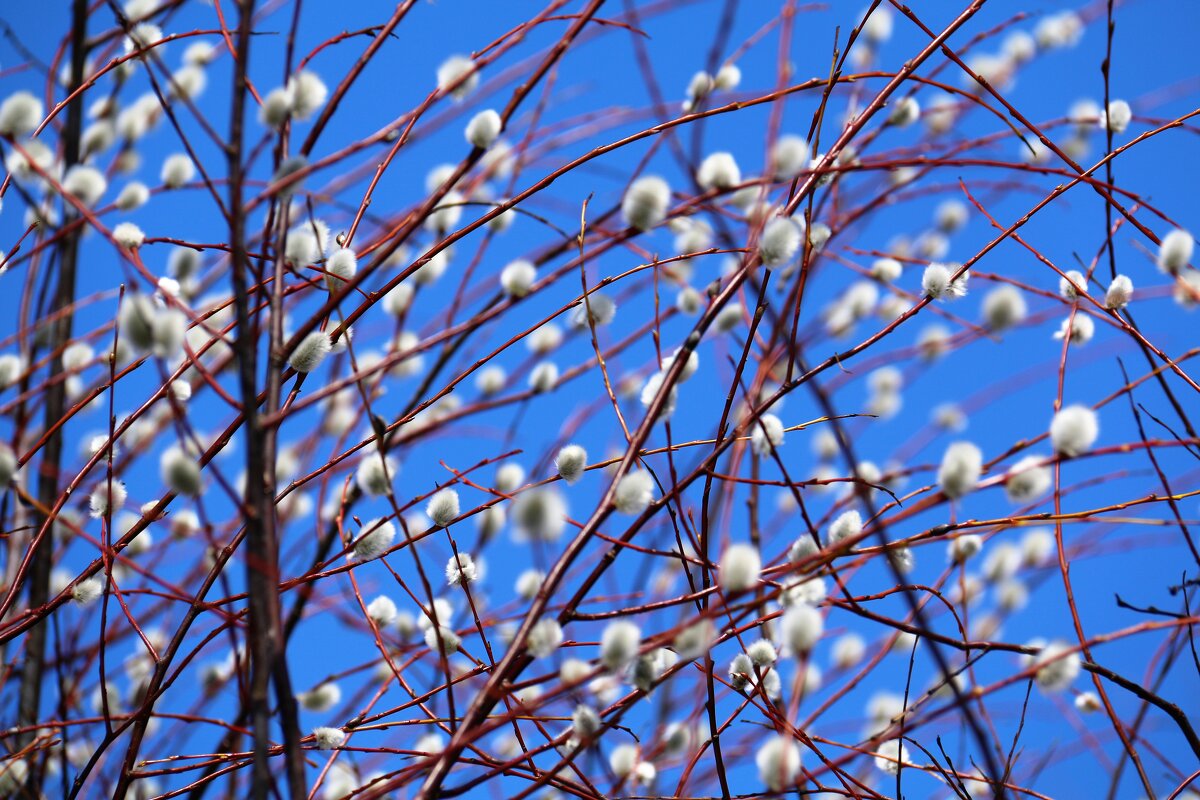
{"type": "Point", "coordinates": [1036, 547]}
{"type": "Point", "coordinates": [197, 54]}
{"type": "Point", "coordinates": [1058, 667]}
{"type": "Point", "coordinates": [574, 670]}
{"type": "Point", "coordinates": [762, 653]}
{"type": "Point", "coordinates": [490, 521]}
{"type": "Point", "coordinates": [807, 591]}
{"type": "Point", "coordinates": [886, 270]}
{"type": "Point", "coordinates": [803, 548]}
{"type": "Point", "coordinates": [443, 640]}
{"type": "Point", "coordinates": [739, 568]}
{"type": "Point", "coordinates": [8, 465]}
{"type": "Point", "coordinates": [570, 463]}
{"type": "Point", "coordinates": [377, 538]}
{"type": "Point", "coordinates": [1002, 562]}
{"type": "Point", "coordinates": [429, 744]}
{"type": "Point", "coordinates": [442, 609]}
{"type": "Point", "coordinates": [443, 507]}
{"type": "Point", "coordinates": [128, 235]}
{"type": "Point", "coordinates": [728, 77]}
{"type": "Point", "coordinates": [718, 171]}
{"type": "Point", "coordinates": [1004, 307]}
{"type": "Point", "coordinates": [11, 367]}
{"type": "Point", "coordinates": [885, 380]}
{"type": "Point", "coordinates": [651, 389]}
{"type": "Point", "coordinates": [20, 114]}
{"type": "Point", "coordinates": [1187, 289]}
{"type": "Point", "coordinates": [328, 738]}
{"type": "Point", "coordinates": [461, 570]}
{"type": "Point", "coordinates": [890, 755]}
{"type": "Point", "coordinates": [906, 111]}
{"type": "Point", "coordinates": [517, 277]}
{"type": "Point", "coordinates": [1071, 284]}
{"type": "Point", "coordinates": [779, 242]}
{"type": "Point", "coordinates": [491, 380]}
{"type": "Point", "coordinates": [766, 434]}
{"type": "Point", "coordinates": [321, 698]}
{"type": "Point", "coordinates": [311, 351]}
{"type": "Point", "coordinates": [1059, 30]}
{"type": "Point", "coordinates": [528, 583]}
{"type": "Point", "coordinates": [540, 515]}
{"type": "Point", "coordinates": [76, 356]}
{"type": "Point", "coordinates": [177, 169]}
{"type": "Point", "coordinates": [307, 93]}
{"type": "Point", "coordinates": [102, 502]}
{"type": "Point", "coordinates": [933, 245]}
{"type": "Point", "coordinates": [1079, 329]}
{"type": "Point", "coordinates": [963, 547]}
{"type": "Point", "coordinates": [634, 492]}
{"type": "Point", "coordinates": [1011, 595]}
{"type": "Point", "coordinates": [132, 196]}
{"type": "Point", "coordinates": [700, 85]}
{"type": "Point", "coordinates": [484, 128]}
{"type": "Point", "coordinates": [1087, 702]}
{"type": "Point", "coordinates": [183, 263]}
{"type": "Point", "coordinates": [623, 760]}
{"type": "Point", "coordinates": [398, 300]}
{"type": "Point", "coordinates": [801, 628]}
{"type": "Point", "coordinates": [509, 476]}
{"type": "Point", "coordinates": [1117, 117]}
{"type": "Point", "coordinates": [848, 650]}
{"type": "Point", "coordinates": [619, 644]}
{"type": "Point", "coordinates": [1026, 480]}
{"type": "Point", "coordinates": [340, 267]}
{"type": "Point", "coordinates": [276, 108]}
{"type": "Point", "coordinates": [1175, 251]}
{"type": "Point", "coordinates": [87, 591]}
{"type": "Point", "coordinates": [847, 525]}
{"type": "Point", "coordinates": [305, 243]}
{"type": "Point", "coordinates": [382, 610]}
{"type": "Point", "coordinates": [645, 203]}
{"type": "Point", "coordinates": [644, 773]}
{"type": "Point", "coordinates": [937, 283]}
{"type": "Point", "coordinates": [142, 36]}
{"type": "Point", "coordinates": [689, 367]}
{"type": "Point", "coordinates": [375, 474]}
{"type": "Point", "coordinates": [544, 637]}
{"type": "Point", "coordinates": [585, 722]}
{"type": "Point", "coordinates": [85, 183]}
{"type": "Point", "coordinates": [458, 72]}
{"type": "Point", "coordinates": [184, 523]}
{"type": "Point", "coordinates": [950, 216]}
{"type": "Point", "coordinates": [778, 762]}
{"type": "Point", "coordinates": [545, 339]}
{"type": "Point", "coordinates": [543, 376]}
{"type": "Point", "coordinates": [596, 308]}
{"type": "Point", "coordinates": [1019, 47]}
{"type": "Point", "coordinates": [1119, 293]}
{"type": "Point", "coordinates": [961, 467]}
{"type": "Point", "coordinates": [694, 640]}
{"type": "Point", "coordinates": [789, 156]}
{"type": "Point", "coordinates": [1074, 430]}
{"type": "Point", "coordinates": [168, 326]}
{"type": "Point", "coordinates": [180, 472]}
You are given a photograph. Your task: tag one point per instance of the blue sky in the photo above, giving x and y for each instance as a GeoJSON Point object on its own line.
{"type": "Point", "coordinates": [1153, 67]}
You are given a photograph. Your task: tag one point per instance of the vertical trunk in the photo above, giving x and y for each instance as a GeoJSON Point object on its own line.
{"type": "Point", "coordinates": [42, 544]}
{"type": "Point", "coordinates": [267, 657]}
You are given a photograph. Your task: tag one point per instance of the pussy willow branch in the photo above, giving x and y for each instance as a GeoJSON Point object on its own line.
{"type": "Point", "coordinates": [763, 365]}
